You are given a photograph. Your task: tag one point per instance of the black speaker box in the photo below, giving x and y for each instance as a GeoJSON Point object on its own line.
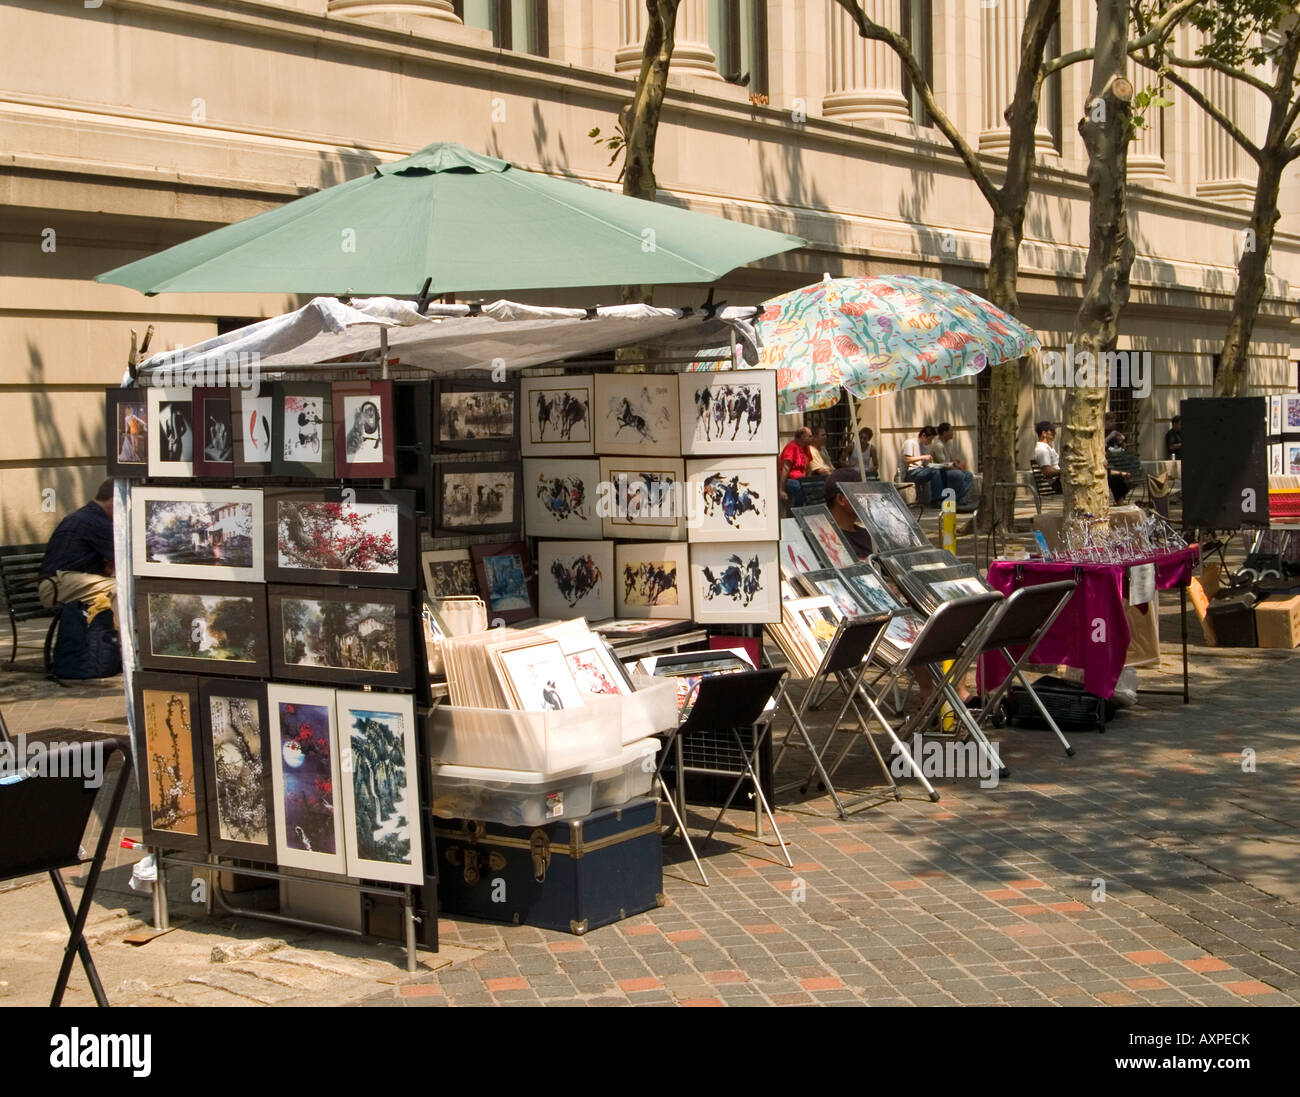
{"type": "Point", "coordinates": [1225, 463]}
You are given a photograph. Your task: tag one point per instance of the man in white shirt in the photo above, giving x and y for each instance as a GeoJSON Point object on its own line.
{"type": "Point", "coordinates": [1045, 455]}
{"type": "Point", "coordinates": [915, 460]}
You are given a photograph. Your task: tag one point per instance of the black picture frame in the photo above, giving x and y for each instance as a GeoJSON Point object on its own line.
{"type": "Point", "coordinates": [451, 429]}
{"type": "Point", "coordinates": [200, 634]}
{"type": "Point", "coordinates": [477, 474]}
{"type": "Point", "coordinates": [404, 571]}
{"type": "Point", "coordinates": [214, 408]}
{"type": "Point", "coordinates": [378, 395]}
{"type": "Point", "coordinates": [819, 516]}
{"type": "Point", "coordinates": [170, 768]}
{"type": "Point", "coordinates": [126, 437]}
{"type": "Point", "coordinates": [885, 513]}
{"type": "Point", "coordinates": [357, 644]}
{"type": "Point", "coordinates": [319, 424]}
{"type": "Point", "coordinates": [243, 792]}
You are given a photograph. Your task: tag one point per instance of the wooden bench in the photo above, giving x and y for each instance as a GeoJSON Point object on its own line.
{"type": "Point", "coordinates": [19, 571]}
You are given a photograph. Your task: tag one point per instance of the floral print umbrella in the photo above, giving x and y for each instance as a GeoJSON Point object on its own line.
{"type": "Point", "coordinates": [877, 335]}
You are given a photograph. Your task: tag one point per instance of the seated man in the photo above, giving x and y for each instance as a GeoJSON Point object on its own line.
{"type": "Point", "coordinates": [78, 563]}
{"type": "Point", "coordinates": [855, 533]}
{"type": "Point", "coordinates": [793, 467]}
{"type": "Point", "coordinates": [1174, 439]}
{"type": "Point", "coordinates": [1045, 455]}
{"type": "Point", "coordinates": [915, 462]}
{"type": "Point", "coordinates": [817, 464]}
{"type": "Point", "coordinates": [943, 454]}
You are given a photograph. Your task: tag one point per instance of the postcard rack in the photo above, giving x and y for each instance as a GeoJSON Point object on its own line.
{"type": "Point", "coordinates": [404, 893]}
{"type": "Point", "coordinates": [843, 667]}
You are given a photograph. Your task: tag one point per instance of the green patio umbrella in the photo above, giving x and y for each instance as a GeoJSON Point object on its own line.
{"type": "Point", "coordinates": [465, 221]}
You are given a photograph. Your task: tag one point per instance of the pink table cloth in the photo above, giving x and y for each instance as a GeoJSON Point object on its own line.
{"type": "Point", "coordinates": [1092, 631]}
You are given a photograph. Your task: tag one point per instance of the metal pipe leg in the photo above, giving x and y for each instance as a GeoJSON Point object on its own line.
{"type": "Point", "coordinates": [76, 946]}
{"type": "Point", "coordinates": [1046, 715]}
{"type": "Point", "coordinates": [408, 908]}
{"type": "Point", "coordinates": [681, 825]}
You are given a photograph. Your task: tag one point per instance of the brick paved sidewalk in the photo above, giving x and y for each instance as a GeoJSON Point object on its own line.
{"type": "Point", "coordinates": [989, 896]}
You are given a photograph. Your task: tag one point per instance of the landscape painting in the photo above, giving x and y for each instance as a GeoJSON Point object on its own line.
{"type": "Point", "coordinates": [203, 628]}
{"type": "Point", "coordinates": [305, 773]}
{"type": "Point", "coordinates": [470, 417]}
{"type": "Point", "coordinates": [448, 573]}
{"type": "Point", "coordinates": [330, 635]}
{"type": "Point", "coordinates": [637, 414]}
{"type": "Point", "coordinates": [356, 537]}
{"type": "Point", "coordinates": [196, 533]}
{"type": "Point", "coordinates": [884, 512]}
{"type": "Point", "coordinates": [575, 579]}
{"type": "Point", "coordinates": [556, 413]}
{"type": "Point", "coordinates": [651, 581]}
{"type": "Point", "coordinates": [481, 497]}
{"type": "Point", "coordinates": [506, 581]}
{"type": "Point", "coordinates": [238, 770]}
{"type": "Point", "coordinates": [731, 412]}
{"type": "Point", "coordinates": [380, 791]}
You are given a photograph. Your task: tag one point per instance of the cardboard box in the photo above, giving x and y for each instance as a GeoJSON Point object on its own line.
{"type": "Point", "coordinates": [1277, 622]}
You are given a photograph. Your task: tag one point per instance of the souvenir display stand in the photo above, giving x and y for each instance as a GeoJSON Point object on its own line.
{"type": "Point", "coordinates": [287, 711]}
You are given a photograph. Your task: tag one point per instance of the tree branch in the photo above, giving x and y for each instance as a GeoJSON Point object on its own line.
{"type": "Point", "coordinates": [1198, 97]}
{"type": "Point", "coordinates": [1227, 70]}
{"type": "Point", "coordinates": [867, 28]}
{"type": "Point", "coordinates": [1160, 30]}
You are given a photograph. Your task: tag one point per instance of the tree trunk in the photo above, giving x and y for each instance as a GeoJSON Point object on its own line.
{"type": "Point", "coordinates": [1252, 268]}
{"type": "Point", "coordinates": [1000, 413]}
{"type": "Point", "coordinates": [1105, 130]}
{"type": "Point", "coordinates": [641, 124]}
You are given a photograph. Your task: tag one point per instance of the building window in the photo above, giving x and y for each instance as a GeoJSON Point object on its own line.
{"type": "Point", "coordinates": [738, 38]}
{"type": "Point", "coordinates": [1050, 107]}
{"type": "Point", "coordinates": [518, 25]}
{"type": "Point", "coordinates": [916, 22]}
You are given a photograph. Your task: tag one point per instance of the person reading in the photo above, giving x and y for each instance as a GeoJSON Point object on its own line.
{"type": "Point", "coordinates": [78, 562]}
{"type": "Point", "coordinates": [917, 464]}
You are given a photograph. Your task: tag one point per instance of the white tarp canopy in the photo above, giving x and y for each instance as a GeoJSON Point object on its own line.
{"type": "Point", "coordinates": [451, 337]}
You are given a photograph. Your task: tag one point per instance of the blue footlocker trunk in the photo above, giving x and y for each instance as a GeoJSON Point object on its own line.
{"type": "Point", "coordinates": [574, 875]}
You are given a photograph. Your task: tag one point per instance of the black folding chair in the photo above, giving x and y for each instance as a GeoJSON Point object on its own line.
{"type": "Point", "coordinates": [43, 819]}
{"type": "Point", "coordinates": [722, 702]}
{"type": "Point", "coordinates": [1026, 617]}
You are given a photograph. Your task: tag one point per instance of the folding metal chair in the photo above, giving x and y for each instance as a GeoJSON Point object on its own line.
{"type": "Point", "coordinates": [43, 819]}
{"type": "Point", "coordinates": [1026, 616]}
{"type": "Point", "coordinates": [731, 702]}
{"type": "Point", "coordinates": [953, 636]}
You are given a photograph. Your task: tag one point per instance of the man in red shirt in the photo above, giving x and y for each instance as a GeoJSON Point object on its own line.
{"type": "Point", "coordinates": [793, 466]}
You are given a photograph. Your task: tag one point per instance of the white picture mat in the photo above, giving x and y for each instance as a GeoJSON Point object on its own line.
{"type": "Point", "coordinates": [536, 442]}
{"type": "Point", "coordinates": [797, 555]}
{"type": "Point", "coordinates": [598, 604]}
{"type": "Point", "coordinates": [694, 407]}
{"type": "Point", "coordinates": [529, 671]}
{"type": "Point", "coordinates": [156, 398]}
{"type": "Point", "coordinates": [402, 706]}
{"type": "Point", "coordinates": [140, 564]}
{"type": "Point", "coordinates": [562, 518]}
{"type": "Point", "coordinates": [753, 499]}
{"type": "Point", "coordinates": [254, 430]}
{"type": "Point", "coordinates": [277, 694]}
{"type": "Point", "coordinates": [723, 598]}
{"type": "Point", "coordinates": [623, 474]}
{"type": "Point", "coordinates": [637, 413]}
{"type": "Point", "coordinates": [627, 588]}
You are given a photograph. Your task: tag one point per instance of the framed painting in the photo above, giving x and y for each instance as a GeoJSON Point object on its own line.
{"type": "Point", "coordinates": [1291, 413]}
{"type": "Point", "coordinates": [254, 436]}
{"type": "Point", "coordinates": [361, 537]}
{"type": "Point", "coordinates": [197, 533]}
{"type": "Point", "coordinates": [302, 427]}
{"type": "Point", "coordinates": [506, 580]}
{"type": "Point", "coordinates": [1292, 467]}
{"type": "Point", "coordinates": [830, 583]}
{"type": "Point", "coordinates": [556, 416]}
{"type": "Point", "coordinates": [595, 669]}
{"type": "Point", "coordinates": [885, 515]}
{"type": "Point", "coordinates": [575, 579]}
{"type": "Point", "coordinates": [305, 774]}
{"type": "Point", "coordinates": [237, 768]}
{"type": "Point", "coordinates": [1276, 458]}
{"type": "Point", "coordinates": [637, 413]}
{"type": "Point", "coordinates": [477, 498]}
{"type": "Point", "coordinates": [171, 432]}
{"type": "Point", "coordinates": [1275, 415]}
{"type": "Point", "coordinates": [652, 581]}
{"type": "Point", "coordinates": [448, 573]}
{"type": "Point", "coordinates": [126, 432]}
{"type": "Point", "coordinates": [732, 498]}
{"type": "Point", "coordinates": [201, 628]}
{"type": "Point", "coordinates": [643, 498]}
{"type": "Point", "coordinates": [736, 583]}
{"type": "Point", "coordinates": [170, 762]}
{"type": "Point", "coordinates": [363, 430]}
{"type": "Point", "coordinates": [381, 788]}
{"type": "Point", "coordinates": [336, 635]}
{"type": "Point", "coordinates": [475, 415]}
{"type": "Point", "coordinates": [728, 413]}
{"type": "Point", "coordinates": [214, 450]}
{"type": "Point", "coordinates": [536, 676]}
{"type": "Point", "coordinates": [823, 534]}
{"type": "Point", "coordinates": [870, 589]}
{"type": "Point", "coordinates": [815, 621]}
{"type": "Point", "coordinates": [796, 556]}
{"type": "Point", "coordinates": [561, 497]}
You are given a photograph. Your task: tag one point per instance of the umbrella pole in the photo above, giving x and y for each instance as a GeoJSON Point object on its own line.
{"type": "Point", "coordinates": [857, 436]}
{"type": "Point", "coordinates": [383, 372]}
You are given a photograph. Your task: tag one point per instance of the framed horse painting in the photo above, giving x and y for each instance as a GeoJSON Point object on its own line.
{"type": "Point", "coordinates": [555, 416]}
{"type": "Point", "coordinates": [738, 582]}
{"type": "Point", "coordinates": [560, 497]}
{"type": "Point", "coordinates": [729, 412]}
{"type": "Point", "coordinates": [637, 414]}
{"type": "Point", "coordinates": [728, 499]}
{"type": "Point", "coordinates": [642, 497]}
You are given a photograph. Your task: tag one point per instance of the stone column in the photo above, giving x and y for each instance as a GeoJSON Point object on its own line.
{"type": "Point", "coordinates": [864, 78]}
{"type": "Point", "coordinates": [440, 10]}
{"type": "Point", "coordinates": [1146, 156]}
{"type": "Point", "coordinates": [1000, 28]}
{"type": "Point", "coordinates": [693, 57]}
{"type": "Point", "coordinates": [632, 17]}
{"type": "Point", "coordinates": [1221, 174]}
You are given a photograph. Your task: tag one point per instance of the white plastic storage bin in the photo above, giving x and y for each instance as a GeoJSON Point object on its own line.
{"type": "Point", "coordinates": [545, 742]}
{"type": "Point", "coordinates": [650, 710]}
{"type": "Point", "coordinates": [630, 774]}
{"type": "Point", "coordinates": [510, 797]}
